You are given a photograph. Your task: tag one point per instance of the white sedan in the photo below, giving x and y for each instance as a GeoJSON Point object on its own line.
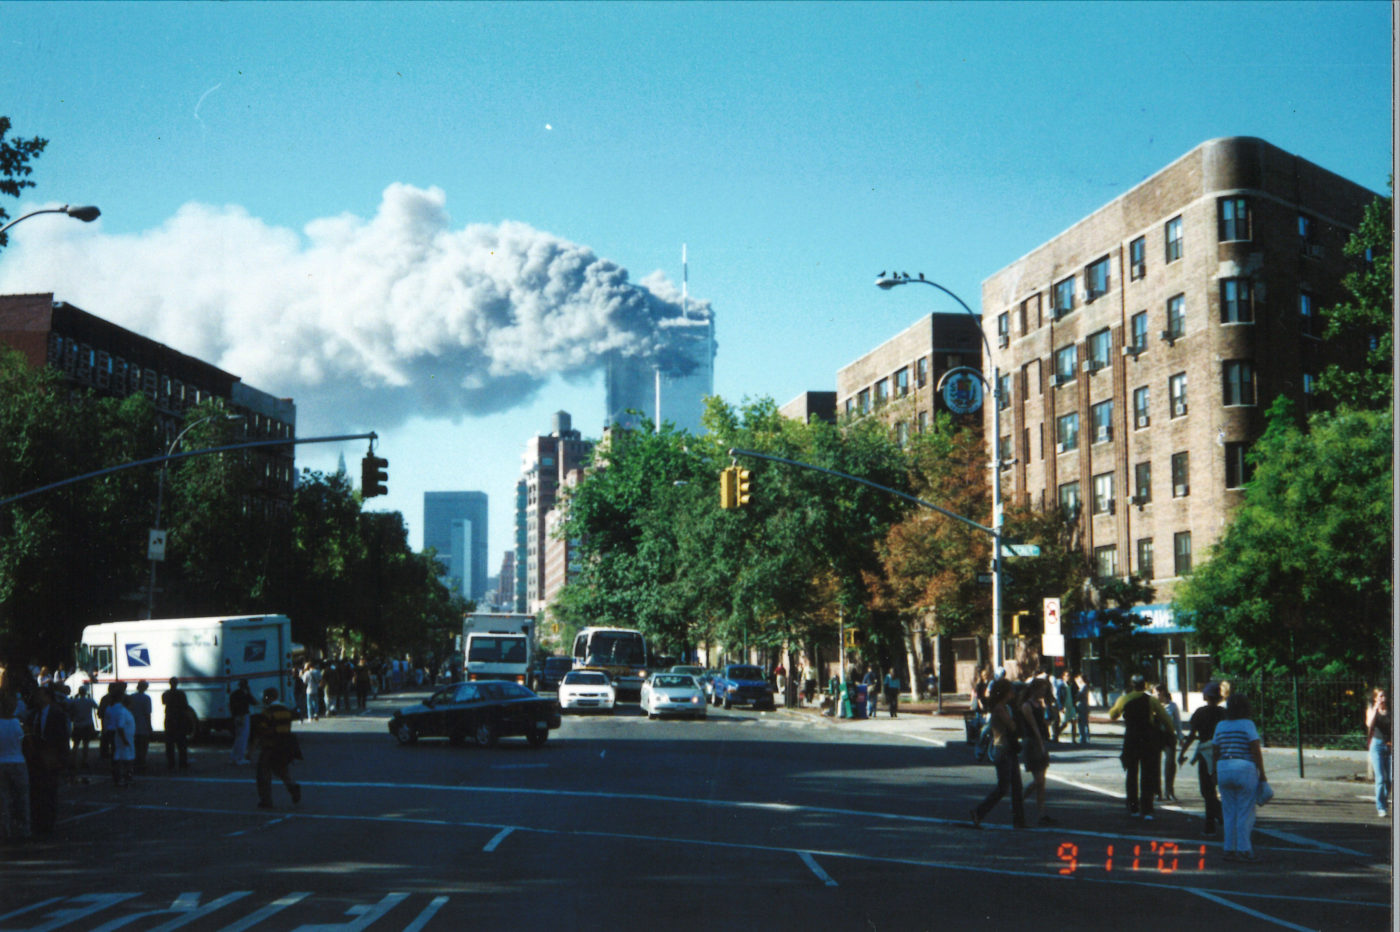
{"type": "Point", "coordinates": [673, 694]}
{"type": "Point", "coordinates": [581, 690]}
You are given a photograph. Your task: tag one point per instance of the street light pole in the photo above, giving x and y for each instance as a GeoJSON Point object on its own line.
{"type": "Point", "coordinates": [160, 494]}
{"type": "Point", "coordinates": [998, 512]}
{"type": "Point", "coordinates": [85, 214]}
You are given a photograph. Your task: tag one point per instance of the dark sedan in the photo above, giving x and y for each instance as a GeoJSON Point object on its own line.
{"type": "Point", "coordinates": [481, 712]}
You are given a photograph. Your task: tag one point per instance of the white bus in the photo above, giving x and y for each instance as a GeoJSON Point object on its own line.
{"type": "Point", "coordinates": [619, 652]}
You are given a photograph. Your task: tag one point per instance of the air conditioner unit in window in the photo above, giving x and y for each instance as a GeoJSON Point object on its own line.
{"type": "Point", "coordinates": [1170, 338]}
{"type": "Point", "coordinates": [1061, 447]}
{"type": "Point", "coordinates": [1059, 312]}
{"type": "Point", "coordinates": [1103, 435]}
{"type": "Point", "coordinates": [1090, 297]}
{"type": "Point", "coordinates": [1142, 420]}
{"type": "Point", "coordinates": [1178, 409]}
{"type": "Point", "coordinates": [1003, 340]}
{"type": "Point", "coordinates": [1140, 499]}
{"type": "Point", "coordinates": [1133, 350]}
{"type": "Point", "coordinates": [1140, 270]}
{"type": "Point", "coordinates": [1181, 491]}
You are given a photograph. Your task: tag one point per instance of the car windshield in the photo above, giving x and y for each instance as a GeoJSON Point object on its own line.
{"type": "Point", "coordinates": [673, 680]}
{"type": "Point", "coordinates": [586, 679]}
{"type": "Point", "coordinates": [745, 673]}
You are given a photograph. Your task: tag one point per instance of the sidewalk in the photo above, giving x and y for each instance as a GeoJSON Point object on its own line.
{"type": "Point", "coordinates": [1325, 772]}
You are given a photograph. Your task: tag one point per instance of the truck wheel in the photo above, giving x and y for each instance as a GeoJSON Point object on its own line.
{"type": "Point", "coordinates": [485, 733]}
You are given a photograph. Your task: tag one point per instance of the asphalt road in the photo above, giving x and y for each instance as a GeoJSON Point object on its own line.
{"type": "Point", "coordinates": [747, 820]}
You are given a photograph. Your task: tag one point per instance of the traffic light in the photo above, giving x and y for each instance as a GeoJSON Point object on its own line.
{"type": "Point", "coordinates": [743, 497]}
{"type": "Point", "coordinates": [729, 487]}
{"type": "Point", "coordinates": [374, 472]}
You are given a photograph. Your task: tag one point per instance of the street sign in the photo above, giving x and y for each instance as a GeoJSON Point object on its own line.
{"type": "Point", "coordinates": [1020, 550]}
{"type": "Point", "coordinates": [1051, 611]}
{"type": "Point", "coordinates": [1052, 642]}
{"type": "Point", "coordinates": [984, 579]}
{"type": "Point", "coordinates": [155, 546]}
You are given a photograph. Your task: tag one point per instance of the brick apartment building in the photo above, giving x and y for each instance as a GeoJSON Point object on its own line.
{"type": "Point", "coordinates": [549, 462]}
{"type": "Point", "coordinates": [100, 356]}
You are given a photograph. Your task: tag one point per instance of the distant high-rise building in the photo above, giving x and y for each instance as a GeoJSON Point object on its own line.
{"type": "Point", "coordinates": [678, 381]}
{"type": "Point", "coordinates": [455, 525]}
{"type": "Point", "coordinates": [548, 462]}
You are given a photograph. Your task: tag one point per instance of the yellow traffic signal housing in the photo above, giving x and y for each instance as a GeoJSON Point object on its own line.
{"type": "Point", "coordinates": [729, 487]}
{"type": "Point", "coordinates": [854, 637]}
{"type": "Point", "coordinates": [743, 475]}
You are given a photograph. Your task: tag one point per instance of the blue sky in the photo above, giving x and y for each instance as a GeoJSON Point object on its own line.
{"type": "Point", "coordinates": [237, 150]}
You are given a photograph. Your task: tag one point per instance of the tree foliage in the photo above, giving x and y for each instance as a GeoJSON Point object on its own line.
{"type": "Point", "coordinates": [1366, 323]}
{"type": "Point", "coordinates": [1302, 578]}
{"type": "Point", "coordinates": [15, 156]}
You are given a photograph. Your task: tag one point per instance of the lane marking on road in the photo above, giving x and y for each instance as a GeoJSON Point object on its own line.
{"type": "Point", "coordinates": [933, 741]}
{"type": "Point", "coordinates": [271, 909]}
{"type": "Point", "coordinates": [500, 837]}
{"type": "Point", "coordinates": [816, 868]}
{"type": "Point", "coordinates": [1250, 912]}
{"type": "Point", "coordinates": [769, 850]}
{"type": "Point", "coordinates": [1308, 844]}
{"type": "Point", "coordinates": [428, 912]}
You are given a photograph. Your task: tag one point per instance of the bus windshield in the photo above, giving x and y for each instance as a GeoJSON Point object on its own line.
{"type": "Point", "coordinates": [619, 648]}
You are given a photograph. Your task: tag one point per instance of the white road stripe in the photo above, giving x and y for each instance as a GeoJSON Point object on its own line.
{"type": "Point", "coordinates": [816, 868]}
{"type": "Point", "coordinates": [500, 837]}
{"type": "Point", "coordinates": [428, 913]}
{"type": "Point", "coordinates": [1249, 912]}
{"type": "Point", "coordinates": [271, 909]}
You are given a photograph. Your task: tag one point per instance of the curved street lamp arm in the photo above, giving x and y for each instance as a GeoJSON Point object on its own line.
{"type": "Point", "coordinates": [85, 214]}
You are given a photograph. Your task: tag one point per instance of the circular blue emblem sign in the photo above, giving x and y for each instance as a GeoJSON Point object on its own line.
{"type": "Point", "coordinates": [962, 391]}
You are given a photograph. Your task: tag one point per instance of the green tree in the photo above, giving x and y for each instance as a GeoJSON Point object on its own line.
{"type": "Point", "coordinates": [75, 555]}
{"type": "Point", "coordinates": [15, 156]}
{"type": "Point", "coordinates": [1302, 577]}
{"type": "Point", "coordinates": [1366, 324]}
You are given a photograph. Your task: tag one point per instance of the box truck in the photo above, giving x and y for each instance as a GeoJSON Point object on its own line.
{"type": "Point", "coordinates": [498, 646]}
{"type": "Point", "coordinates": [209, 655]}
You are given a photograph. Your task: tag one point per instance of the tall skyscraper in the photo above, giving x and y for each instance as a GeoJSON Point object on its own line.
{"type": "Point", "coordinates": [455, 525]}
{"type": "Point", "coordinates": [548, 462]}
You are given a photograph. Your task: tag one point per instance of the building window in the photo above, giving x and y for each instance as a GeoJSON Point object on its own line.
{"type": "Point", "coordinates": [1106, 561]}
{"type": "Point", "coordinates": [882, 392]}
{"type": "Point", "coordinates": [1102, 416]}
{"type": "Point", "coordinates": [1004, 329]}
{"type": "Point", "coordinates": [1096, 279]}
{"type": "Point", "coordinates": [850, 406]}
{"type": "Point", "coordinates": [1239, 382]}
{"type": "Point", "coordinates": [1103, 493]}
{"type": "Point", "coordinates": [1030, 313]}
{"type": "Point", "coordinates": [1004, 392]}
{"type": "Point", "coordinates": [1305, 228]}
{"type": "Point", "coordinates": [1176, 317]}
{"type": "Point", "coordinates": [1142, 483]}
{"type": "Point", "coordinates": [1027, 375]}
{"type": "Point", "coordinates": [1069, 500]}
{"type": "Point", "coordinates": [1236, 301]}
{"type": "Point", "coordinates": [1176, 394]}
{"type": "Point", "coordinates": [1309, 384]}
{"type": "Point", "coordinates": [1173, 239]}
{"type": "Point", "coordinates": [1137, 258]}
{"type": "Point", "coordinates": [1064, 297]}
{"type": "Point", "coordinates": [1307, 314]}
{"type": "Point", "coordinates": [863, 401]}
{"type": "Point", "coordinates": [1181, 549]}
{"type": "Point", "coordinates": [1238, 471]}
{"type": "Point", "coordinates": [901, 382]}
{"type": "Point", "coordinates": [923, 422]}
{"type": "Point", "coordinates": [1234, 218]}
{"type": "Point", "coordinates": [1098, 347]}
{"type": "Point", "coordinates": [1139, 333]}
{"type": "Point", "coordinates": [1181, 474]}
{"type": "Point", "coordinates": [1144, 559]}
{"type": "Point", "coordinates": [1066, 362]}
{"type": "Point", "coordinates": [1142, 400]}
{"type": "Point", "coordinates": [1005, 455]}
{"type": "Point", "coordinates": [901, 433]}
{"type": "Point", "coordinates": [921, 371]}
{"type": "Point", "coordinates": [1066, 433]}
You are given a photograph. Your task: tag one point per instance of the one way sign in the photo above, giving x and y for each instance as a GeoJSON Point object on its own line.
{"type": "Point", "coordinates": [155, 546]}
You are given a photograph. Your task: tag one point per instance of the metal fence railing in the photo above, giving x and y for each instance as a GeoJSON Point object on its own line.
{"type": "Point", "coordinates": [1326, 713]}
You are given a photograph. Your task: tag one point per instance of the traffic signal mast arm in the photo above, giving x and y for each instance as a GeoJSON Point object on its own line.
{"type": "Point", "coordinates": [735, 451]}
{"type": "Point", "coordinates": [252, 444]}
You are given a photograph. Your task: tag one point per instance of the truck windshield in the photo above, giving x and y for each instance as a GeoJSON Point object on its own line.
{"type": "Point", "coordinates": [497, 650]}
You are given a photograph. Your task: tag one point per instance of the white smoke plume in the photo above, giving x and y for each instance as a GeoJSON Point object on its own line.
{"type": "Point", "coordinates": [376, 320]}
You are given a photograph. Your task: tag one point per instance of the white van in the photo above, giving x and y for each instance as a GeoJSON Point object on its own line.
{"type": "Point", "coordinates": [209, 655]}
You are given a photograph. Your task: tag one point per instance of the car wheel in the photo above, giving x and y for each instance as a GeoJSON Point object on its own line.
{"type": "Point", "coordinates": [404, 734]}
{"type": "Point", "coordinates": [538, 737]}
{"type": "Point", "coordinates": [485, 734]}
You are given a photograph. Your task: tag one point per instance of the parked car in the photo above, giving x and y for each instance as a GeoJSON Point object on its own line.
{"type": "Point", "coordinates": [481, 712]}
{"type": "Point", "coordinates": [591, 690]}
{"type": "Point", "coordinates": [702, 676]}
{"type": "Point", "coordinates": [742, 684]}
{"type": "Point", "coordinates": [552, 673]}
{"type": "Point", "coordinates": [673, 694]}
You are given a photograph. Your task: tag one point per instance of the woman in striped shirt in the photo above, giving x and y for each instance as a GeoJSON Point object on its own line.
{"type": "Point", "coordinates": [1239, 769]}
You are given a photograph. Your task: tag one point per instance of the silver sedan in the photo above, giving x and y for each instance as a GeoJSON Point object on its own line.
{"type": "Point", "coordinates": [673, 694]}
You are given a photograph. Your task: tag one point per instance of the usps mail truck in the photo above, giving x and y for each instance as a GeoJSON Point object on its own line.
{"type": "Point", "coordinates": [209, 655]}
